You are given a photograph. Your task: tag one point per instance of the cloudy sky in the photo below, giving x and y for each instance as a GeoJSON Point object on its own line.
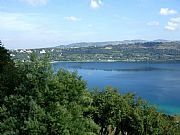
{"type": "Point", "coordinates": [46, 23]}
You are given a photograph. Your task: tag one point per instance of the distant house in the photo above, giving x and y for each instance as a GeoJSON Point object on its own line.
{"type": "Point", "coordinates": [42, 52]}
{"type": "Point", "coordinates": [12, 55]}
{"type": "Point", "coordinates": [21, 51]}
{"type": "Point", "coordinates": [52, 50]}
{"type": "Point", "coordinates": [108, 47]}
{"type": "Point", "coordinates": [29, 51]}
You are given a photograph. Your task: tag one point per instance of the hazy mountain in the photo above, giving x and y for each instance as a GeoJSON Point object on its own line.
{"type": "Point", "coordinates": [86, 44]}
{"type": "Point", "coordinates": [161, 40]}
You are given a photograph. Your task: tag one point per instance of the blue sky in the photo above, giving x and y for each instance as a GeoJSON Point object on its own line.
{"type": "Point", "coordinates": [46, 23]}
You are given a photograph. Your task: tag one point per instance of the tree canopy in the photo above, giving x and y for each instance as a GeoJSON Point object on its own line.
{"type": "Point", "coordinates": [8, 76]}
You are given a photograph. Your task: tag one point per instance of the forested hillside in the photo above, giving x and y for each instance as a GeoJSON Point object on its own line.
{"type": "Point", "coordinates": [143, 52]}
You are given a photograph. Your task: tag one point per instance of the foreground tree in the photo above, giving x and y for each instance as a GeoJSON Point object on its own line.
{"type": "Point", "coordinates": [8, 77]}
{"type": "Point", "coordinates": [126, 114]}
{"type": "Point", "coordinates": [46, 103]}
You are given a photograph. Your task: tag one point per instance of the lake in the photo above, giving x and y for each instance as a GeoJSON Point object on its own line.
{"type": "Point", "coordinates": [159, 83]}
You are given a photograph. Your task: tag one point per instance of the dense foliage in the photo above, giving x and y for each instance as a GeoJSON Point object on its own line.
{"type": "Point", "coordinates": [127, 114]}
{"type": "Point", "coordinates": [8, 75]}
{"type": "Point", "coordinates": [45, 103]}
{"type": "Point", "coordinates": [35, 101]}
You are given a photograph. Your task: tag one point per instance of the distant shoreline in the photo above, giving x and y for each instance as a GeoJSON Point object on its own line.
{"type": "Point", "coordinates": [156, 62]}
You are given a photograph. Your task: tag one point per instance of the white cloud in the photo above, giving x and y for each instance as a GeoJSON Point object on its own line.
{"type": "Point", "coordinates": [35, 2]}
{"type": "Point", "coordinates": [25, 22]}
{"type": "Point", "coordinates": [177, 19]}
{"type": "Point", "coordinates": [96, 3]}
{"type": "Point", "coordinates": [90, 25]}
{"type": "Point", "coordinates": [15, 22]}
{"type": "Point", "coordinates": [169, 27]}
{"type": "Point", "coordinates": [72, 18]}
{"type": "Point", "coordinates": [167, 11]}
{"type": "Point", "coordinates": [173, 24]}
{"type": "Point", "coordinates": [31, 29]}
{"type": "Point", "coordinates": [153, 23]}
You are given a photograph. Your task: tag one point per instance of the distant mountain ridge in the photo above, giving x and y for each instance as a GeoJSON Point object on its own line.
{"type": "Point", "coordinates": [98, 44]}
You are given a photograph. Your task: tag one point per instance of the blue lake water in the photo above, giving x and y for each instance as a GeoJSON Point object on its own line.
{"type": "Point", "coordinates": [159, 83]}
